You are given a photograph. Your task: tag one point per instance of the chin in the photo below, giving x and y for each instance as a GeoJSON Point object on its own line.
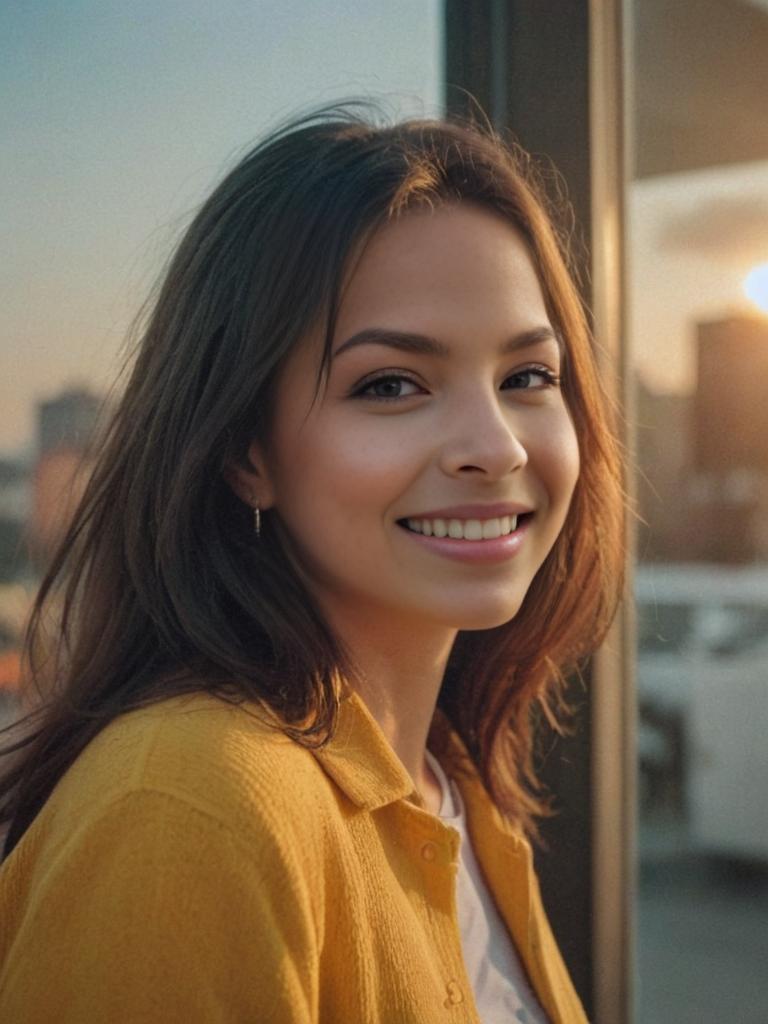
{"type": "Point", "coordinates": [478, 623]}
{"type": "Point", "coordinates": [488, 616]}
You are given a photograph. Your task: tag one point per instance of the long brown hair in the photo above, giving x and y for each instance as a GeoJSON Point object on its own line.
{"type": "Point", "coordinates": [159, 584]}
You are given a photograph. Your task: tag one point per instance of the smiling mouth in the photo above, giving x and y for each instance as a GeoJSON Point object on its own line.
{"type": "Point", "coordinates": [466, 529]}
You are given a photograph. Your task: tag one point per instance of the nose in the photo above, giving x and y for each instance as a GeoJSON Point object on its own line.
{"type": "Point", "coordinates": [482, 438]}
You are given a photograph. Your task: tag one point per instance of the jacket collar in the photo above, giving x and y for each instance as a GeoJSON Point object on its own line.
{"type": "Point", "coordinates": [364, 766]}
{"type": "Point", "coordinates": [361, 761]}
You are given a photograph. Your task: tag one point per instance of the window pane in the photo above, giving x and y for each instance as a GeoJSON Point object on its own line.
{"type": "Point", "coordinates": [698, 232]}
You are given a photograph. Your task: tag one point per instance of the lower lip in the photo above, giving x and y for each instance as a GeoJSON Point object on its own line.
{"type": "Point", "coordinates": [477, 552]}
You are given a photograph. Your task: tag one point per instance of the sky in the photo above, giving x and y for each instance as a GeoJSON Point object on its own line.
{"type": "Point", "coordinates": [119, 117]}
{"type": "Point", "coordinates": [117, 120]}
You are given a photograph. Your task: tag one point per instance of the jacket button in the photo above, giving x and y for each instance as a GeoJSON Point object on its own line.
{"type": "Point", "coordinates": [455, 995]}
{"type": "Point", "coordinates": [429, 851]}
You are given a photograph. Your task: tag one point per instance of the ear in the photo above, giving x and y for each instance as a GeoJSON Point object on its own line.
{"type": "Point", "coordinates": [249, 478]}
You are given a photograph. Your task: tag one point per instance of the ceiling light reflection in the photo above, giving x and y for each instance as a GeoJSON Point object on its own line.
{"type": "Point", "coordinates": [756, 286]}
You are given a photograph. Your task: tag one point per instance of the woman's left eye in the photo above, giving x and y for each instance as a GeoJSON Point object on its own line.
{"type": "Point", "coordinates": [389, 387]}
{"type": "Point", "coordinates": [532, 378]}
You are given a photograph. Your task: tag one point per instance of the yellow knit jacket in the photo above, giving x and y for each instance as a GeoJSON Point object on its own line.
{"type": "Point", "coordinates": [196, 865]}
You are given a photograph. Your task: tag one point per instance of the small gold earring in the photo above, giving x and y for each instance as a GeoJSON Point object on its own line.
{"type": "Point", "coordinates": [257, 519]}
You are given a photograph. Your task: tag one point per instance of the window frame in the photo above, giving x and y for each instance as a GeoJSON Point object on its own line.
{"type": "Point", "coordinates": [557, 76]}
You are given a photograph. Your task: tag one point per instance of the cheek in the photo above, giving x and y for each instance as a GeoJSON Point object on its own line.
{"type": "Point", "coordinates": [331, 476]}
{"type": "Point", "coordinates": [561, 460]}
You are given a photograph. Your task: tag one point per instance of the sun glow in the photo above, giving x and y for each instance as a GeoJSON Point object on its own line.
{"type": "Point", "coordinates": [756, 286]}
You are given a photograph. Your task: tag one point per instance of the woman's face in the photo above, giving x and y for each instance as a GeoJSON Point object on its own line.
{"type": "Point", "coordinates": [441, 415]}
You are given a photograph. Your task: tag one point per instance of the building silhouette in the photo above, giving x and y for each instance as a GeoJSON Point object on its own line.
{"type": "Point", "coordinates": [66, 425]}
{"type": "Point", "coordinates": [702, 479]}
{"type": "Point", "coordinates": [729, 487]}
{"type": "Point", "coordinates": [67, 420]}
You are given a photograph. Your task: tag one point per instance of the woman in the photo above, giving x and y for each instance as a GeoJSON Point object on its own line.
{"type": "Point", "coordinates": [356, 514]}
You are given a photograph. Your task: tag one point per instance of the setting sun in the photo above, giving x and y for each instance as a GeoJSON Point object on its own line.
{"type": "Point", "coordinates": [756, 286]}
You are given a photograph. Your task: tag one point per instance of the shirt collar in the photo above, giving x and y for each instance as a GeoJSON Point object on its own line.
{"type": "Point", "coordinates": [362, 763]}
{"type": "Point", "coordinates": [360, 760]}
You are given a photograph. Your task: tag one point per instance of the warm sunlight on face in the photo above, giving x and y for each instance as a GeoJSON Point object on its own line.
{"type": "Point", "coordinates": [756, 286]}
{"type": "Point", "coordinates": [430, 482]}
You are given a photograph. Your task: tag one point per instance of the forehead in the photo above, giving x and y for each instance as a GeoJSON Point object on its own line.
{"type": "Point", "coordinates": [457, 264]}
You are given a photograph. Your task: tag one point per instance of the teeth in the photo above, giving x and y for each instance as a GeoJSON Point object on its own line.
{"type": "Point", "coordinates": [464, 529]}
{"type": "Point", "coordinates": [455, 529]}
{"type": "Point", "coordinates": [491, 529]}
{"type": "Point", "coordinates": [473, 530]}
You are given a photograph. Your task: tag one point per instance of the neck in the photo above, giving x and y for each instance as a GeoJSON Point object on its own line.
{"type": "Point", "coordinates": [399, 675]}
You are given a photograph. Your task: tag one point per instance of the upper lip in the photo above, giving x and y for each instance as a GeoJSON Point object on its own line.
{"type": "Point", "coordinates": [495, 511]}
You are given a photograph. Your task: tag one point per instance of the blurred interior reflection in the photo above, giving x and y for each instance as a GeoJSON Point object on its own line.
{"type": "Point", "coordinates": [699, 316]}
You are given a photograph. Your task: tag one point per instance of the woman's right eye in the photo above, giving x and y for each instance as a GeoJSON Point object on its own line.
{"type": "Point", "coordinates": [387, 388]}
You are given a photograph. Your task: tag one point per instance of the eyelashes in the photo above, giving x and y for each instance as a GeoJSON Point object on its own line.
{"type": "Point", "coordinates": [396, 386]}
{"type": "Point", "coordinates": [551, 379]}
{"type": "Point", "coordinates": [390, 385]}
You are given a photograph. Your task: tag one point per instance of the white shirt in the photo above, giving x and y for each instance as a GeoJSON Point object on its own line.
{"type": "Point", "coordinates": [502, 991]}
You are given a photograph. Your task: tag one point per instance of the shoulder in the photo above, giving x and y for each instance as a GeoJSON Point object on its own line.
{"type": "Point", "coordinates": [225, 761]}
{"type": "Point", "coordinates": [164, 856]}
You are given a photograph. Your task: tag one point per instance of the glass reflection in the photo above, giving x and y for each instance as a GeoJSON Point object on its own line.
{"type": "Point", "coordinates": [698, 245]}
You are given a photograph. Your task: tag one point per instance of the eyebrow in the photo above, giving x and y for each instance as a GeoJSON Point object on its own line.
{"type": "Point", "coordinates": [422, 344]}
